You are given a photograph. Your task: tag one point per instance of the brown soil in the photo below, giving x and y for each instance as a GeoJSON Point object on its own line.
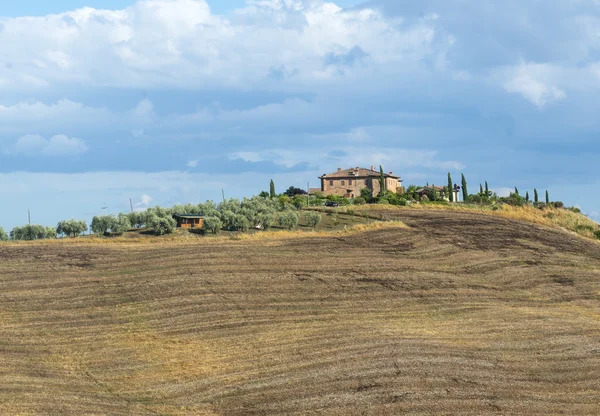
{"type": "Point", "coordinates": [459, 314]}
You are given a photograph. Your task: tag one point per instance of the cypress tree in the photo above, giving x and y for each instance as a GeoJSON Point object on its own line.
{"type": "Point", "coordinates": [516, 191]}
{"type": "Point", "coordinates": [527, 197]}
{"type": "Point", "coordinates": [464, 188]}
{"type": "Point", "coordinates": [487, 189]}
{"type": "Point", "coordinates": [547, 198]}
{"type": "Point", "coordinates": [381, 181]}
{"type": "Point", "coordinates": [536, 198]}
{"type": "Point", "coordinates": [272, 189]}
{"type": "Point", "coordinates": [450, 188]}
{"type": "Point", "coordinates": [480, 189]}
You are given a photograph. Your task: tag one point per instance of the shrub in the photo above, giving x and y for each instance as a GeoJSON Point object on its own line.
{"type": "Point", "coordinates": [597, 234]}
{"type": "Point", "coordinates": [383, 201]}
{"type": "Point", "coordinates": [558, 204]}
{"type": "Point", "coordinates": [3, 235]}
{"type": "Point", "coordinates": [288, 220]}
{"type": "Point", "coordinates": [514, 200]}
{"type": "Point", "coordinates": [299, 201]}
{"type": "Point", "coordinates": [576, 210]}
{"type": "Point", "coordinates": [312, 219]}
{"type": "Point", "coordinates": [474, 199]}
{"type": "Point", "coordinates": [213, 224]}
{"type": "Point", "coordinates": [360, 201]}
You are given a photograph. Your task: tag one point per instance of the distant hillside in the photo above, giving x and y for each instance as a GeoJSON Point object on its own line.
{"type": "Point", "coordinates": [457, 313]}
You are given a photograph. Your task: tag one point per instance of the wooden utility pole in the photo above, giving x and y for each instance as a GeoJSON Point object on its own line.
{"type": "Point", "coordinates": [223, 192]}
{"type": "Point", "coordinates": [29, 216]}
{"type": "Point", "coordinates": [131, 204]}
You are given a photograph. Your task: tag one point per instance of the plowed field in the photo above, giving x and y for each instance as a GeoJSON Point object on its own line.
{"type": "Point", "coordinates": [458, 314]}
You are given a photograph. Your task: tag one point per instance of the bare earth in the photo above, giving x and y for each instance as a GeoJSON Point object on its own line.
{"type": "Point", "coordinates": [461, 314]}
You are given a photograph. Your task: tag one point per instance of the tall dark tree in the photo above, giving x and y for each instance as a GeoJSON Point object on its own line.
{"type": "Point", "coordinates": [381, 181]}
{"type": "Point", "coordinates": [527, 197]}
{"type": "Point", "coordinates": [516, 191]}
{"type": "Point", "coordinates": [272, 189]}
{"type": "Point", "coordinates": [547, 198]}
{"type": "Point", "coordinates": [487, 189]}
{"type": "Point", "coordinates": [450, 188]}
{"type": "Point", "coordinates": [464, 188]}
{"type": "Point", "coordinates": [481, 189]}
{"type": "Point", "coordinates": [536, 197]}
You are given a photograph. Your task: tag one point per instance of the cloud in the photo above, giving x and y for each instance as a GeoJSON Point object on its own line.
{"type": "Point", "coordinates": [144, 202]}
{"type": "Point", "coordinates": [192, 164]}
{"type": "Point", "coordinates": [535, 82]}
{"type": "Point", "coordinates": [59, 145]}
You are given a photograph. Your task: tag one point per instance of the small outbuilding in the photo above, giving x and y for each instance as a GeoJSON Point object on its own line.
{"type": "Point", "coordinates": [189, 220]}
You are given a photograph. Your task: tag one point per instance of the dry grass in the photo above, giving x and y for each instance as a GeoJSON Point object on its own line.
{"type": "Point", "coordinates": [457, 314]}
{"type": "Point", "coordinates": [558, 218]}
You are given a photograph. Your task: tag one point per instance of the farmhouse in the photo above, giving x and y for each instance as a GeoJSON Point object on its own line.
{"type": "Point", "coordinates": [189, 220]}
{"type": "Point", "coordinates": [349, 182]}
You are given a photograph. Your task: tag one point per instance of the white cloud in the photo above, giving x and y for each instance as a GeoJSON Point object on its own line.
{"type": "Point", "coordinates": [535, 82]}
{"type": "Point", "coordinates": [192, 164]}
{"type": "Point", "coordinates": [59, 145]}
{"type": "Point", "coordinates": [180, 43]}
{"type": "Point", "coordinates": [349, 156]}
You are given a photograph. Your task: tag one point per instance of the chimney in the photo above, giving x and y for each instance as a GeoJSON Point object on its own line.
{"type": "Point", "coordinates": [339, 169]}
{"type": "Point", "coordinates": [391, 173]}
{"type": "Point", "coordinates": [372, 168]}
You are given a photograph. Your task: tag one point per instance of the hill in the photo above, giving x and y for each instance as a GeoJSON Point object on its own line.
{"type": "Point", "coordinates": [458, 313]}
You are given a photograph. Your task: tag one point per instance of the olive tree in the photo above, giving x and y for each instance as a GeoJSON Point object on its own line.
{"type": "Point", "coordinates": [71, 228]}
{"type": "Point", "coordinates": [32, 232]}
{"type": "Point", "coordinates": [110, 223]}
{"type": "Point", "coordinates": [288, 219]}
{"type": "Point", "coordinates": [162, 225]}
{"type": "Point", "coordinates": [212, 224]}
{"type": "Point", "coordinates": [312, 219]}
{"type": "Point", "coordinates": [3, 235]}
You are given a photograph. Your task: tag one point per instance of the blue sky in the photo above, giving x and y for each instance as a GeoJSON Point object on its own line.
{"type": "Point", "coordinates": [168, 101]}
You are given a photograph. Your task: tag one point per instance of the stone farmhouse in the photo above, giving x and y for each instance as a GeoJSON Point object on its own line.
{"type": "Point", "coordinates": [349, 182]}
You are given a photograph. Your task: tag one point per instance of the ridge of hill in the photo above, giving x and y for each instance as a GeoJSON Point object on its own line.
{"type": "Point", "coordinates": [455, 313]}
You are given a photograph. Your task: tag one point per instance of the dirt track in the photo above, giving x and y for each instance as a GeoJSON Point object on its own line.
{"type": "Point", "coordinates": [461, 314]}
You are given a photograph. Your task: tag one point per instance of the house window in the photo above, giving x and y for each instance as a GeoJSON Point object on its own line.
{"type": "Point", "coordinates": [349, 182]}
{"type": "Point", "coordinates": [343, 182]}
{"type": "Point", "coordinates": [330, 183]}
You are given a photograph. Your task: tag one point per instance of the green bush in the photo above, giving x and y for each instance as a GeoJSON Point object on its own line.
{"type": "Point", "coordinates": [597, 234]}
{"type": "Point", "coordinates": [383, 201]}
{"type": "Point", "coordinates": [514, 200]}
{"type": "Point", "coordinates": [360, 201]}
{"type": "Point", "coordinates": [3, 235]}
{"type": "Point", "coordinates": [312, 219]}
{"type": "Point", "coordinates": [576, 210]}
{"type": "Point", "coordinates": [212, 224]}
{"type": "Point", "coordinates": [474, 199]}
{"type": "Point", "coordinates": [558, 204]}
{"type": "Point", "coordinates": [288, 220]}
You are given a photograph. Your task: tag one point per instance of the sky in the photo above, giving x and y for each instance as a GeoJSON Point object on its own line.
{"type": "Point", "coordinates": [173, 101]}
